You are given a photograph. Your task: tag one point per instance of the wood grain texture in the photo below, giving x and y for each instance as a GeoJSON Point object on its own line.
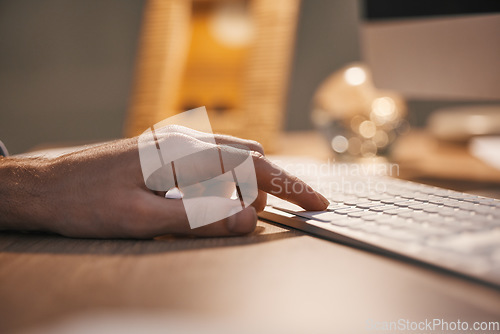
{"type": "Point", "coordinates": [275, 280]}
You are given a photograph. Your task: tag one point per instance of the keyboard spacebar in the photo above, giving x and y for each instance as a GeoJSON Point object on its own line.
{"type": "Point", "coordinates": [323, 216]}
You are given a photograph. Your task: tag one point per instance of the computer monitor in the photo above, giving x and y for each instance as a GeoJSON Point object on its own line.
{"type": "Point", "coordinates": [428, 49]}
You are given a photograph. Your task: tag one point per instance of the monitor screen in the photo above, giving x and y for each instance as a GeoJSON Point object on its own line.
{"type": "Point", "coordinates": [446, 50]}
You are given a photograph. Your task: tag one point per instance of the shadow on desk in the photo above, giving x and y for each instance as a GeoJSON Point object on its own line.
{"type": "Point", "coordinates": [42, 243]}
{"type": "Point", "coordinates": [272, 281]}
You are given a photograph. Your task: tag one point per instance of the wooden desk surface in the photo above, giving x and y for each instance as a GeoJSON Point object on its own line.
{"type": "Point", "coordinates": [275, 280]}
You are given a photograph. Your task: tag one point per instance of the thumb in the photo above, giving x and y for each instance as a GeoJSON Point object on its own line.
{"type": "Point", "coordinates": [242, 222]}
{"type": "Point", "coordinates": [165, 216]}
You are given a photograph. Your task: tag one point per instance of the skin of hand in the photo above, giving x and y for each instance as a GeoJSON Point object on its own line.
{"type": "Point", "coordinates": [100, 192]}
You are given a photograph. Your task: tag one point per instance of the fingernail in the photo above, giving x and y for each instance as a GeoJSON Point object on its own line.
{"type": "Point", "coordinates": [323, 199]}
{"type": "Point", "coordinates": [240, 222]}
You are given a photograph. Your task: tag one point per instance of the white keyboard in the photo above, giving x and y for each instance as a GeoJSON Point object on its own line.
{"type": "Point", "coordinates": [455, 231]}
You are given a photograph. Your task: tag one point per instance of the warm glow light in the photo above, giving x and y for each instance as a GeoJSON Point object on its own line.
{"type": "Point", "coordinates": [232, 24]}
{"type": "Point", "coordinates": [384, 107]}
{"type": "Point", "coordinates": [367, 129]}
{"type": "Point", "coordinates": [340, 144]}
{"type": "Point", "coordinates": [355, 76]}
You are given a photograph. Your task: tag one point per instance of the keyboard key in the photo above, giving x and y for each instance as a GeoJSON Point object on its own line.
{"type": "Point", "coordinates": [437, 201]}
{"type": "Point", "coordinates": [333, 207]}
{"type": "Point", "coordinates": [324, 216]}
{"type": "Point", "coordinates": [383, 208]}
{"type": "Point", "coordinates": [394, 211]}
{"type": "Point", "coordinates": [446, 211]}
{"type": "Point", "coordinates": [347, 222]}
{"type": "Point", "coordinates": [431, 208]}
{"type": "Point", "coordinates": [367, 205]}
{"type": "Point", "coordinates": [372, 217]}
{"type": "Point", "coordinates": [466, 197]}
{"type": "Point", "coordinates": [336, 198]}
{"type": "Point", "coordinates": [391, 200]}
{"type": "Point", "coordinates": [420, 206]}
{"type": "Point", "coordinates": [468, 206]}
{"type": "Point", "coordinates": [347, 210]}
{"type": "Point", "coordinates": [408, 195]}
{"type": "Point", "coordinates": [406, 213]}
{"type": "Point", "coordinates": [421, 198]}
{"type": "Point", "coordinates": [354, 201]}
{"type": "Point", "coordinates": [452, 203]}
{"type": "Point", "coordinates": [404, 203]}
{"type": "Point", "coordinates": [471, 199]}
{"type": "Point", "coordinates": [358, 214]}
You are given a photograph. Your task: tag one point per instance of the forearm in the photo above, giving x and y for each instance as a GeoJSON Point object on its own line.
{"type": "Point", "coordinates": [23, 188]}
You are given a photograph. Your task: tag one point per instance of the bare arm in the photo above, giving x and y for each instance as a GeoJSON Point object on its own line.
{"type": "Point", "coordinates": [100, 192]}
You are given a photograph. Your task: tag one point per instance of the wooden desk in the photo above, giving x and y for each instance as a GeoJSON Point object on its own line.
{"type": "Point", "coordinates": [275, 280]}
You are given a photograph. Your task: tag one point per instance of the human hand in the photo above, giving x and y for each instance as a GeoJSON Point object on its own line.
{"type": "Point", "coordinates": [100, 192]}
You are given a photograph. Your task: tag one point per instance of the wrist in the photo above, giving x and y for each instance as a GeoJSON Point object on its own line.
{"type": "Point", "coordinates": [23, 189]}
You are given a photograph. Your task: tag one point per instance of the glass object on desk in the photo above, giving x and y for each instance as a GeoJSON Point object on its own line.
{"type": "Point", "coordinates": [358, 120]}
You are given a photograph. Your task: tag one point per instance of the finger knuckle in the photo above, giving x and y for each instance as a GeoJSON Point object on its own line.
{"type": "Point", "coordinates": [256, 146]}
{"type": "Point", "coordinates": [257, 156]}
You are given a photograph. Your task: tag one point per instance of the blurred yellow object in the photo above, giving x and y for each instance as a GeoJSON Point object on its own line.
{"type": "Point", "coordinates": [189, 56]}
{"type": "Point", "coordinates": [359, 120]}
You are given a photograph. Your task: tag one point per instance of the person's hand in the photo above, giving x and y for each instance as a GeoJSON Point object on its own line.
{"type": "Point", "coordinates": [100, 193]}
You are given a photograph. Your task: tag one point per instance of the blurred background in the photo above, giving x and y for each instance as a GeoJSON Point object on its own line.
{"type": "Point", "coordinates": [69, 70]}
{"type": "Point", "coordinates": [66, 67]}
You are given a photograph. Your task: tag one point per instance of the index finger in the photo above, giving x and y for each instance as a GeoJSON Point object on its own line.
{"type": "Point", "coordinates": [278, 182]}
